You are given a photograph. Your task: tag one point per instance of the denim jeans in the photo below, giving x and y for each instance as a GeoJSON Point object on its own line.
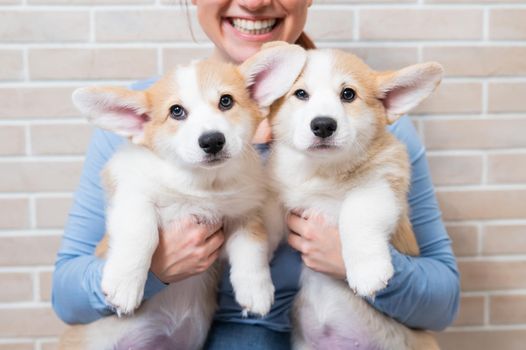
{"type": "Point", "coordinates": [239, 336]}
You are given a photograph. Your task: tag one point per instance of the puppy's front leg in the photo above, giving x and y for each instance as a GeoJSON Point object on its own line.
{"type": "Point", "coordinates": [368, 217]}
{"type": "Point", "coordinates": [132, 226]}
{"type": "Point", "coordinates": [248, 253]}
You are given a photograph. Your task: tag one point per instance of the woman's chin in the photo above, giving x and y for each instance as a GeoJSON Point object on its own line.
{"type": "Point", "coordinates": [241, 46]}
{"type": "Point", "coordinates": [245, 53]}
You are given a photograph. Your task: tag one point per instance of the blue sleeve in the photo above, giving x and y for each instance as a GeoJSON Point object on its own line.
{"type": "Point", "coordinates": [425, 290]}
{"type": "Point", "coordinates": [76, 293]}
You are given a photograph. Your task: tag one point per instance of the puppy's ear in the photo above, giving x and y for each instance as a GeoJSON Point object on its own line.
{"type": "Point", "coordinates": [402, 90]}
{"type": "Point", "coordinates": [114, 108]}
{"type": "Point", "coordinates": [270, 73]}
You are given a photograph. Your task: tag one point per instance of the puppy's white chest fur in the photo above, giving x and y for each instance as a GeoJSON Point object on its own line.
{"type": "Point", "coordinates": [308, 195]}
{"type": "Point", "coordinates": [300, 189]}
{"type": "Point", "coordinates": [177, 193]}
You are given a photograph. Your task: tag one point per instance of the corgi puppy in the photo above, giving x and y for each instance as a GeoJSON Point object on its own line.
{"type": "Point", "coordinates": [333, 156]}
{"type": "Point", "coordinates": [189, 154]}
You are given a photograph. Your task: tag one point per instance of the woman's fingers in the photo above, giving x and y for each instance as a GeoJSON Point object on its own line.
{"type": "Point", "coordinates": [296, 224]}
{"type": "Point", "coordinates": [296, 242]}
{"type": "Point", "coordinates": [214, 242]}
{"type": "Point", "coordinates": [213, 228]}
{"type": "Point", "coordinates": [206, 231]}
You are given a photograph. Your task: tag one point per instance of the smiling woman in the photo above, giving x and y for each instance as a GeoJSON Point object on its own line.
{"type": "Point", "coordinates": [239, 28]}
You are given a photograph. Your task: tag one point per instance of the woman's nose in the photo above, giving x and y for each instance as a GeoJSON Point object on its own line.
{"type": "Point", "coordinates": [253, 5]}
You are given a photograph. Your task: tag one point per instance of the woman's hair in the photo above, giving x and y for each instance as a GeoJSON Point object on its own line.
{"type": "Point", "coordinates": [305, 41]}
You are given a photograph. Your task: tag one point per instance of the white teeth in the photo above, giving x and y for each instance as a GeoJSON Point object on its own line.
{"type": "Point", "coordinates": [253, 27]}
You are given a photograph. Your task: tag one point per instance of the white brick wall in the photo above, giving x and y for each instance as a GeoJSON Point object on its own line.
{"type": "Point", "coordinates": [474, 128]}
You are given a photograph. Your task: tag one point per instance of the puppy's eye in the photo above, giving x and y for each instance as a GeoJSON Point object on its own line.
{"type": "Point", "coordinates": [348, 95]}
{"type": "Point", "coordinates": [177, 112]}
{"type": "Point", "coordinates": [226, 102]}
{"type": "Point", "coordinates": [301, 94]}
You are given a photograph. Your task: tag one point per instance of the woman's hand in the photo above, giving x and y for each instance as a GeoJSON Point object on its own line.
{"type": "Point", "coordinates": [318, 243]}
{"type": "Point", "coordinates": [186, 249]}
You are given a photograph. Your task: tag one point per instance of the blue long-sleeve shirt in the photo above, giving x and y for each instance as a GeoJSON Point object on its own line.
{"type": "Point", "coordinates": [423, 293]}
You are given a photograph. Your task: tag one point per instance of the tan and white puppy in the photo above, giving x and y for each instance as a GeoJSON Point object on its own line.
{"type": "Point", "coordinates": [334, 157]}
{"type": "Point", "coordinates": [190, 155]}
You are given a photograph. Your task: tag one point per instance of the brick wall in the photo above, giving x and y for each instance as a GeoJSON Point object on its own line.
{"type": "Point", "coordinates": [474, 128]}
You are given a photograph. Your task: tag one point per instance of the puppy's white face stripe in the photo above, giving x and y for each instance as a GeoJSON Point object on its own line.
{"type": "Point", "coordinates": [319, 81]}
{"type": "Point", "coordinates": [318, 71]}
{"type": "Point", "coordinates": [189, 90]}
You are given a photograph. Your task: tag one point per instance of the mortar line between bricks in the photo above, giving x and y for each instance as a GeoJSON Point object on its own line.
{"type": "Point", "coordinates": [104, 45]}
{"type": "Point", "coordinates": [476, 152]}
{"type": "Point", "coordinates": [487, 310]}
{"type": "Point", "coordinates": [485, 24]}
{"type": "Point", "coordinates": [425, 43]}
{"type": "Point", "coordinates": [4, 233]}
{"type": "Point", "coordinates": [487, 187]}
{"type": "Point", "coordinates": [323, 7]}
{"type": "Point", "coordinates": [46, 121]}
{"type": "Point", "coordinates": [27, 135]}
{"type": "Point", "coordinates": [54, 158]}
{"type": "Point", "coordinates": [25, 269]}
{"type": "Point", "coordinates": [356, 25]}
{"type": "Point", "coordinates": [493, 293]}
{"type": "Point", "coordinates": [492, 327]}
{"type": "Point", "coordinates": [458, 153]}
{"type": "Point", "coordinates": [92, 37]}
{"type": "Point", "coordinates": [494, 258]}
{"type": "Point", "coordinates": [8, 340]}
{"type": "Point", "coordinates": [417, 6]}
{"type": "Point", "coordinates": [471, 116]}
{"type": "Point", "coordinates": [32, 213]}
{"type": "Point", "coordinates": [187, 43]}
{"type": "Point", "coordinates": [485, 96]}
{"type": "Point", "coordinates": [20, 194]}
{"type": "Point", "coordinates": [25, 305]}
{"type": "Point", "coordinates": [485, 169]}
{"type": "Point", "coordinates": [78, 82]}
{"type": "Point", "coordinates": [25, 63]}
{"type": "Point", "coordinates": [160, 61]}
{"type": "Point", "coordinates": [43, 340]}
{"type": "Point", "coordinates": [480, 237]}
{"type": "Point", "coordinates": [488, 222]}
{"type": "Point", "coordinates": [36, 286]}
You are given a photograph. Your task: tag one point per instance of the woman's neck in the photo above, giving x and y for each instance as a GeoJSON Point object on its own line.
{"type": "Point", "coordinates": [220, 56]}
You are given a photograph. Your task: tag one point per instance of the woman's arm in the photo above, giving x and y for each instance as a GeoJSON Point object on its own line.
{"type": "Point", "coordinates": [76, 293]}
{"type": "Point", "coordinates": [424, 291]}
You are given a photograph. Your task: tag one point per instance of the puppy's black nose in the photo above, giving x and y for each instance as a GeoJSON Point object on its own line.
{"type": "Point", "coordinates": [212, 142]}
{"type": "Point", "coordinates": [323, 126]}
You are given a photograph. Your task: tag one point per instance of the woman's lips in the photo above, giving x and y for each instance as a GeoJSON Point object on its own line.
{"type": "Point", "coordinates": [253, 29]}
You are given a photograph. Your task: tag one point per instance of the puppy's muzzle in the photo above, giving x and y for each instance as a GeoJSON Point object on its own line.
{"type": "Point", "coordinates": [323, 126]}
{"type": "Point", "coordinates": [212, 142]}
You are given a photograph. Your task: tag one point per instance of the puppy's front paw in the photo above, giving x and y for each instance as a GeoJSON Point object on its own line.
{"type": "Point", "coordinates": [123, 290]}
{"type": "Point", "coordinates": [368, 276]}
{"type": "Point", "coordinates": [254, 291]}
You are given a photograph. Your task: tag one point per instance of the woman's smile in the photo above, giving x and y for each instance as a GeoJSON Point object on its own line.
{"type": "Point", "coordinates": [263, 29]}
